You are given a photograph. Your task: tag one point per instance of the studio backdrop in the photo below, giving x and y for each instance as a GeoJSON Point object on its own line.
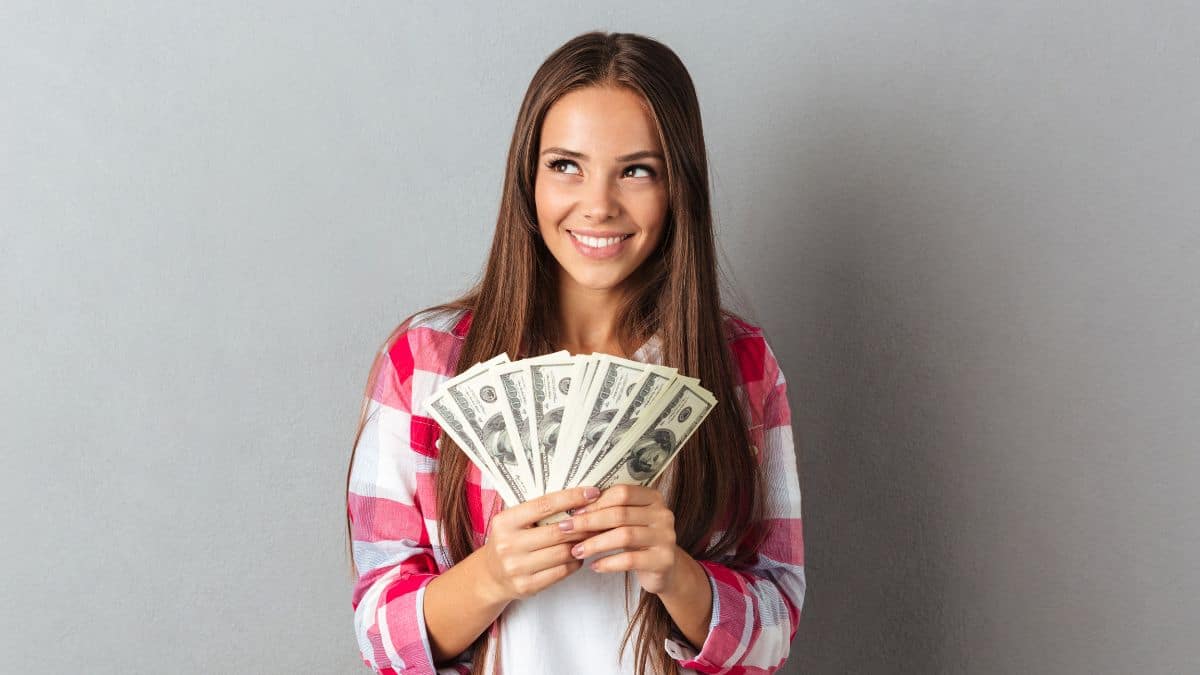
{"type": "Point", "coordinates": [971, 231]}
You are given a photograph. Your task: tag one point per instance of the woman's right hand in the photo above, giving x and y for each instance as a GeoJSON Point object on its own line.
{"type": "Point", "coordinates": [521, 557]}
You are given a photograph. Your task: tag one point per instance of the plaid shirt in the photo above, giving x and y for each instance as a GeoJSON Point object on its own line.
{"type": "Point", "coordinates": [394, 524]}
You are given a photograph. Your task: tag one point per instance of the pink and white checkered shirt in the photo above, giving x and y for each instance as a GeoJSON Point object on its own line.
{"type": "Point", "coordinates": [394, 524]}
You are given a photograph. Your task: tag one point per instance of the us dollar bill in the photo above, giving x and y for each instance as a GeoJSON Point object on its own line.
{"type": "Point", "coordinates": [440, 394]}
{"type": "Point", "coordinates": [445, 413]}
{"type": "Point", "coordinates": [512, 381]}
{"type": "Point", "coordinates": [480, 404]}
{"type": "Point", "coordinates": [613, 384]}
{"type": "Point", "coordinates": [655, 441]}
{"type": "Point", "coordinates": [549, 385]}
{"type": "Point", "coordinates": [656, 380]}
{"type": "Point", "coordinates": [568, 437]}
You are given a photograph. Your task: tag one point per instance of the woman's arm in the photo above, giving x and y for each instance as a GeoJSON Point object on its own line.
{"type": "Point", "coordinates": [391, 548]}
{"type": "Point", "coordinates": [406, 616]}
{"type": "Point", "coordinates": [690, 600]}
{"type": "Point", "coordinates": [459, 605]}
{"type": "Point", "coordinates": [756, 611]}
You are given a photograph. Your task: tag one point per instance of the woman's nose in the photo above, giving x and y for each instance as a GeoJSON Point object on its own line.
{"type": "Point", "coordinates": [601, 203]}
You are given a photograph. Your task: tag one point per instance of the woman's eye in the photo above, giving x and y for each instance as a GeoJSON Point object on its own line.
{"type": "Point", "coordinates": [555, 164]}
{"type": "Point", "coordinates": [641, 167]}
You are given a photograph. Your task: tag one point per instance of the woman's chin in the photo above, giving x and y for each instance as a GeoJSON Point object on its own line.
{"type": "Point", "coordinates": [599, 283]}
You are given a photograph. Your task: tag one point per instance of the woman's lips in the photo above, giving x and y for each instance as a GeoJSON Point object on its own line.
{"type": "Point", "coordinates": [598, 252]}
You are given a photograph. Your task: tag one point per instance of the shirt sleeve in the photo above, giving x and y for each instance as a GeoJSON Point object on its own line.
{"type": "Point", "coordinates": [391, 545]}
{"type": "Point", "coordinates": [756, 611]}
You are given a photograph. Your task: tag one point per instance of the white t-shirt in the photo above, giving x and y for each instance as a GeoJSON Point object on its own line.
{"type": "Point", "coordinates": [574, 626]}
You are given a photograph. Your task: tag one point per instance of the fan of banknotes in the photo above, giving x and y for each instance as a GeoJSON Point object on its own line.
{"type": "Point", "coordinates": [552, 422]}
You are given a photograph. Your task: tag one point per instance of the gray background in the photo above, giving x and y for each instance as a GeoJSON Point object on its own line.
{"type": "Point", "coordinates": [971, 231]}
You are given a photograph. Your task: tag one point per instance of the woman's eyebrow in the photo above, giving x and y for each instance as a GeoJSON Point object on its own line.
{"type": "Point", "coordinates": [624, 158]}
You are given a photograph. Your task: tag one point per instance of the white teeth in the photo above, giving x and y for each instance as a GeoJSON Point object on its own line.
{"type": "Point", "coordinates": [596, 242]}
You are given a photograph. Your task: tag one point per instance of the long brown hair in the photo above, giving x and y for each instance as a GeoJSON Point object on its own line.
{"type": "Point", "coordinates": [716, 493]}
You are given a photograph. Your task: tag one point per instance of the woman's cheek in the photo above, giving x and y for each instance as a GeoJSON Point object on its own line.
{"type": "Point", "coordinates": [544, 195]}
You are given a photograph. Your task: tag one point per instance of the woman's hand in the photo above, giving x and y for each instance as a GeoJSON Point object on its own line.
{"type": "Point", "coordinates": [522, 558]}
{"type": "Point", "coordinates": [634, 518]}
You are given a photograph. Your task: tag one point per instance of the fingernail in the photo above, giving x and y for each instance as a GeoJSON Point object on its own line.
{"type": "Point", "coordinates": [577, 551]}
{"type": "Point", "coordinates": [566, 525]}
{"type": "Point", "coordinates": [575, 512]}
{"type": "Point", "coordinates": [591, 492]}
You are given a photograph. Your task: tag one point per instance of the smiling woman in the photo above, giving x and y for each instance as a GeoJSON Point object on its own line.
{"type": "Point", "coordinates": [600, 191]}
{"type": "Point", "coordinates": [604, 243]}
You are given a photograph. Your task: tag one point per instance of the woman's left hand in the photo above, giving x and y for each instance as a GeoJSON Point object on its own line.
{"type": "Point", "coordinates": [634, 518]}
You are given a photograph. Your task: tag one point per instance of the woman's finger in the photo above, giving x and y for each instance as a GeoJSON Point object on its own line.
{"type": "Point", "coordinates": [594, 520]}
{"type": "Point", "coordinates": [630, 495]}
{"type": "Point", "coordinates": [542, 559]}
{"type": "Point", "coordinates": [544, 536]}
{"type": "Point", "coordinates": [631, 537]}
{"type": "Point", "coordinates": [529, 512]}
{"type": "Point", "coordinates": [627, 561]}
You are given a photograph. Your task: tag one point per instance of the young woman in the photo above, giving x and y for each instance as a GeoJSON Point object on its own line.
{"type": "Point", "coordinates": [604, 243]}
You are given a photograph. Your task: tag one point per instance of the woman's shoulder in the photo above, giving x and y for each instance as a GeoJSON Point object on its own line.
{"type": "Point", "coordinates": [439, 323]}
{"type": "Point", "coordinates": [428, 341]}
{"type": "Point", "coordinates": [738, 327]}
{"type": "Point", "coordinates": [753, 356]}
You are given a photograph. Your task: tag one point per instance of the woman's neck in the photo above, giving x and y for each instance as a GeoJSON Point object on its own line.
{"type": "Point", "coordinates": [588, 320]}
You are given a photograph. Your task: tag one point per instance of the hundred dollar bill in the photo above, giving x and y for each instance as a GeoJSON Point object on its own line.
{"type": "Point", "coordinates": [549, 385]}
{"type": "Point", "coordinates": [656, 380]}
{"type": "Point", "coordinates": [581, 379]}
{"type": "Point", "coordinates": [446, 414]}
{"type": "Point", "coordinates": [590, 389]}
{"type": "Point", "coordinates": [651, 446]}
{"type": "Point", "coordinates": [479, 403]}
{"type": "Point", "coordinates": [577, 405]}
{"type": "Point", "coordinates": [612, 385]}
{"type": "Point", "coordinates": [568, 436]}
{"type": "Point", "coordinates": [512, 381]}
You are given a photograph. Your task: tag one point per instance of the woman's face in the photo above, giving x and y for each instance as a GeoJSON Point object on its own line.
{"type": "Point", "coordinates": [601, 176]}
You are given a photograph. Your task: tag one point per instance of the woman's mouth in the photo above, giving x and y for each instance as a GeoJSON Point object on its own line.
{"type": "Point", "coordinates": [599, 248]}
